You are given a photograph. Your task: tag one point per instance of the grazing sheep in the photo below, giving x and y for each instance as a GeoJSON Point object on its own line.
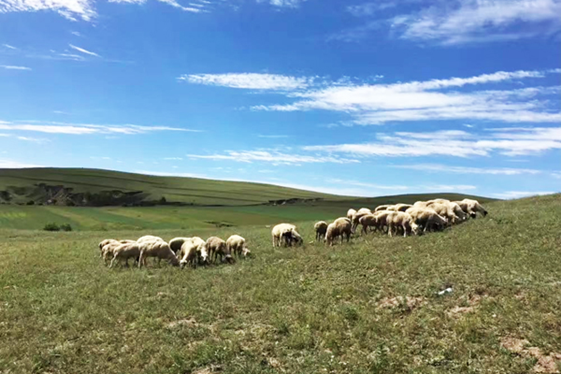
{"type": "Point", "coordinates": [236, 245]}
{"type": "Point", "coordinates": [369, 220]}
{"type": "Point", "coordinates": [381, 220]}
{"type": "Point", "coordinates": [149, 238]}
{"type": "Point", "coordinates": [392, 208]}
{"type": "Point", "coordinates": [420, 204]}
{"type": "Point", "coordinates": [438, 201]}
{"type": "Point", "coordinates": [320, 228]}
{"type": "Point", "coordinates": [397, 220]}
{"type": "Point", "coordinates": [176, 243]}
{"type": "Point", "coordinates": [194, 241]}
{"type": "Point", "coordinates": [361, 213]}
{"type": "Point", "coordinates": [427, 219]}
{"type": "Point", "coordinates": [292, 238]}
{"type": "Point", "coordinates": [107, 250]}
{"type": "Point", "coordinates": [278, 232]}
{"type": "Point", "coordinates": [340, 227]}
{"type": "Point", "coordinates": [402, 207]}
{"type": "Point", "coordinates": [190, 252]}
{"type": "Point", "coordinates": [472, 207]}
{"type": "Point", "coordinates": [350, 214]}
{"type": "Point", "coordinates": [381, 207]}
{"type": "Point", "coordinates": [445, 211]}
{"type": "Point", "coordinates": [458, 211]}
{"type": "Point", "coordinates": [124, 252]}
{"type": "Point", "coordinates": [217, 247]}
{"type": "Point", "coordinates": [158, 249]}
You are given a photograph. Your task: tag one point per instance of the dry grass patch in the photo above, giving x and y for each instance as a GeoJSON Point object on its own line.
{"type": "Point", "coordinates": [545, 363]}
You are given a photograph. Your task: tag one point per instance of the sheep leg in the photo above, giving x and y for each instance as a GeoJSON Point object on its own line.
{"type": "Point", "coordinates": [112, 262]}
{"type": "Point", "coordinates": [140, 259]}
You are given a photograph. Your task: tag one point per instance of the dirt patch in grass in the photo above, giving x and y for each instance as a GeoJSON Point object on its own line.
{"type": "Point", "coordinates": [183, 322]}
{"type": "Point", "coordinates": [408, 302]}
{"type": "Point", "coordinates": [473, 302]}
{"type": "Point", "coordinates": [545, 363]}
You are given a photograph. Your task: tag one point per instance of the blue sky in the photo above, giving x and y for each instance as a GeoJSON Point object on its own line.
{"type": "Point", "coordinates": [348, 97]}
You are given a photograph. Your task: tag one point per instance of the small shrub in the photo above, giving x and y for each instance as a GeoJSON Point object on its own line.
{"type": "Point", "coordinates": [66, 227]}
{"type": "Point", "coordinates": [51, 227]}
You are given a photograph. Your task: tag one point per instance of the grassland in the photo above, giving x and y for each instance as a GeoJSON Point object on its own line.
{"type": "Point", "coordinates": [304, 310]}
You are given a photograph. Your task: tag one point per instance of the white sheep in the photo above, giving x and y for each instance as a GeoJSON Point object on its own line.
{"type": "Point", "coordinates": [339, 228]}
{"type": "Point", "coordinates": [198, 246]}
{"type": "Point", "coordinates": [446, 211]}
{"type": "Point", "coordinates": [400, 220]}
{"type": "Point", "coordinates": [236, 245]}
{"type": "Point", "coordinates": [356, 218]}
{"type": "Point", "coordinates": [369, 220]}
{"type": "Point", "coordinates": [320, 229]}
{"type": "Point", "coordinates": [427, 219]}
{"type": "Point", "coordinates": [124, 252]}
{"type": "Point", "coordinates": [381, 207]}
{"type": "Point", "coordinates": [176, 243]}
{"type": "Point", "coordinates": [149, 238]}
{"type": "Point", "coordinates": [402, 207]}
{"type": "Point", "coordinates": [279, 231]}
{"type": "Point", "coordinates": [217, 247]}
{"type": "Point", "coordinates": [350, 214]}
{"type": "Point", "coordinates": [158, 249]}
{"type": "Point", "coordinates": [472, 207]}
{"type": "Point", "coordinates": [107, 250]}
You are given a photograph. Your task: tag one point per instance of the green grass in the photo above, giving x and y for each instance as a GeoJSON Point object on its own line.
{"type": "Point", "coordinates": [306, 310]}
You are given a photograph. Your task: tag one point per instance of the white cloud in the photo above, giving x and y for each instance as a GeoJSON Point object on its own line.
{"type": "Point", "coordinates": [248, 81]}
{"type": "Point", "coordinates": [70, 9]}
{"type": "Point", "coordinates": [273, 136]}
{"type": "Point", "coordinates": [508, 195]}
{"type": "Point", "coordinates": [10, 164]}
{"type": "Point", "coordinates": [522, 141]}
{"type": "Point", "coordinates": [273, 157]}
{"type": "Point", "coordinates": [466, 21]}
{"type": "Point", "coordinates": [9, 46]}
{"type": "Point", "coordinates": [85, 51]}
{"type": "Point", "coordinates": [286, 3]}
{"type": "Point", "coordinates": [75, 10]}
{"type": "Point", "coordinates": [468, 170]}
{"type": "Point", "coordinates": [84, 129]}
{"type": "Point", "coordinates": [13, 67]}
{"type": "Point", "coordinates": [75, 33]}
{"type": "Point", "coordinates": [33, 140]}
{"type": "Point", "coordinates": [372, 104]}
{"type": "Point", "coordinates": [449, 187]}
{"type": "Point", "coordinates": [370, 186]}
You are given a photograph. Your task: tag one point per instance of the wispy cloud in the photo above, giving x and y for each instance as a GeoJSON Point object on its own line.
{"type": "Point", "coordinates": [175, 4]}
{"type": "Point", "coordinates": [70, 9]}
{"type": "Point", "coordinates": [173, 158]}
{"type": "Point", "coordinates": [372, 104]}
{"type": "Point", "coordinates": [371, 186]}
{"type": "Point", "coordinates": [33, 140]}
{"type": "Point", "coordinates": [448, 187]}
{"type": "Point", "coordinates": [253, 81]}
{"type": "Point", "coordinates": [9, 46]}
{"type": "Point", "coordinates": [508, 195]}
{"type": "Point", "coordinates": [11, 164]}
{"type": "Point", "coordinates": [85, 51]}
{"type": "Point", "coordinates": [273, 157]}
{"type": "Point", "coordinates": [272, 136]}
{"type": "Point", "coordinates": [13, 67]}
{"type": "Point", "coordinates": [84, 129]}
{"type": "Point", "coordinates": [468, 170]}
{"type": "Point", "coordinates": [286, 3]}
{"type": "Point", "coordinates": [522, 141]}
{"type": "Point", "coordinates": [468, 21]}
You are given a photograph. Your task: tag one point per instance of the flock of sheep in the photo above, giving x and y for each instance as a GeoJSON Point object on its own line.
{"type": "Point", "coordinates": [423, 216]}
{"type": "Point", "coordinates": [178, 252]}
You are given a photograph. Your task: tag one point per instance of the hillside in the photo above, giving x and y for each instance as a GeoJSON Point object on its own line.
{"type": "Point", "coordinates": [93, 187]}
{"type": "Point", "coordinates": [370, 306]}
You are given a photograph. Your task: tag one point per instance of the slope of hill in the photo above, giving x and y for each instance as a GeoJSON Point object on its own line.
{"type": "Point", "coordinates": [371, 306]}
{"type": "Point", "coordinates": [93, 187]}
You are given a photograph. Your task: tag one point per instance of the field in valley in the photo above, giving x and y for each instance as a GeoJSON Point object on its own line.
{"type": "Point", "coordinates": [369, 306]}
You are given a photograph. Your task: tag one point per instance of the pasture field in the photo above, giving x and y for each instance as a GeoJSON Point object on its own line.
{"type": "Point", "coordinates": [371, 306]}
